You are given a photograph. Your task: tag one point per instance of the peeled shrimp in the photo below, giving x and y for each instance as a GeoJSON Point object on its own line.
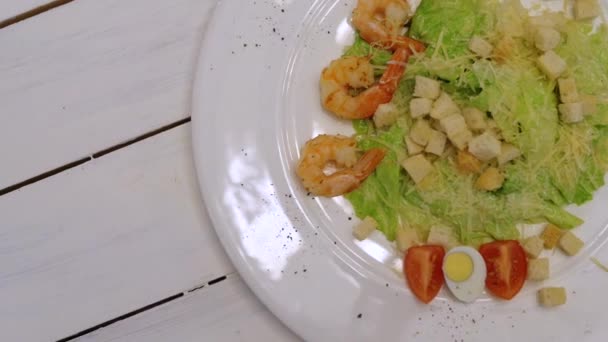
{"type": "Point", "coordinates": [346, 74]}
{"type": "Point", "coordinates": [324, 149]}
{"type": "Point", "coordinates": [380, 22]}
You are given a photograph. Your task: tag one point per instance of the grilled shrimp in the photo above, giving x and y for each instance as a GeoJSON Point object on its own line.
{"type": "Point", "coordinates": [380, 22]}
{"type": "Point", "coordinates": [341, 150]}
{"type": "Point", "coordinates": [347, 74]}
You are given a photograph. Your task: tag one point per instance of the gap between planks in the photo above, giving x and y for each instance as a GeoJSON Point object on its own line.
{"type": "Point", "coordinates": [95, 155]}
{"type": "Point", "coordinates": [145, 308]}
{"type": "Point", "coordinates": [33, 12]}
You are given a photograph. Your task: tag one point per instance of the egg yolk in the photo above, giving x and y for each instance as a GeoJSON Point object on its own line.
{"type": "Point", "coordinates": [458, 267]}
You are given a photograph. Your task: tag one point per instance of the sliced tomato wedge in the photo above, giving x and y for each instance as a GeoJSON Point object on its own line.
{"type": "Point", "coordinates": [422, 268]}
{"type": "Point", "coordinates": [507, 267]}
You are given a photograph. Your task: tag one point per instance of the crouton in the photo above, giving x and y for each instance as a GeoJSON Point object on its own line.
{"type": "Point", "coordinates": [421, 132]}
{"type": "Point", "coordinates": [567, 90]}
{"type": "Point", "coordinates": [546, 39]}
{"type": "Point", "coordinates": [552, 296]}
{"type": "Point", "coordinates": [485, 147]}
{"type": "Point", "coordinates": [461, 139]}
{"type": "Point", "coordinates": [552, 65]}
{"type": "Point", "coordinates": [436, 144]}
{"type": "Point", "coordinates": [508, 152]}
{"type": "Point", "coordinates": [444, 106]}
{"type": "Point", "coordinates": [467, 163]}
{"type": "Point", "coordinates": [420, 107]}
{"type": "Point", "coordinates": [475, 119]}
{"type": "Point", "coordinates": [586, 9]}
{"type": "Point", "coordinates": [571, 112]}
{"type": "Point", "coordinates": [443, 236]}
{"type": "Point", "coordinates": [491, 179]}
{"type": "Point", "coordinates": [412, 147]}
{"type": "Point", "coordinates": [533, 246]}
{"type": "Point", "coordinates": [386, 115]}
{"type": "Point", "coordinates": [364, 229]}
{"type": "Point", "coordinates": [427, 88]}
{"type": "Point", "coordinates": [417, 167]}
{"type": "Point", "coordinates": [453, 124]}
{"type": "Point", "coordinates": [480, 47]}
{"type": "Point", "coordinates": [538, 269]}
{"type": "Point", "coordinates": [551, 236]}
{"type": "Point", "coordinates": [570, 243]}
{"type": "Point", "coordinates": [406, 238]}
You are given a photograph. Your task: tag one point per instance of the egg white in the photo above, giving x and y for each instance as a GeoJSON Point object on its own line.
{"type": "Point", "coordinates": [470, 289]}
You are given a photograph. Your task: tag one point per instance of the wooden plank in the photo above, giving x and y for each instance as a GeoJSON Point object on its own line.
{"type": "Point", "coordinates": [103, 239]}
{"type": "Point", "coordinates": [227, 311]}
{"type": "Point", "coordinates": [91, 74]}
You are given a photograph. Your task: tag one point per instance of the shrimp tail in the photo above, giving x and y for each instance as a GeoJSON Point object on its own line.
{"type": "Point", "coordinates": [409, 43]}
{"type": "Point", "coordinates": [368, 163]}
{"type": "Point", "coordinates": [396, 68]}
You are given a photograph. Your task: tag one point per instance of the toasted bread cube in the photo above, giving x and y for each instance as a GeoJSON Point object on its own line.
{"type": "Point", "coordinates": [453, 124]}
{"type": "Point", "coordinates": [467, 163]}
{"type": "Point", "coordinates": [475, 119]}
{"type": "Point", "coordinates": [571, 112]}
{"type": "Point", "coordinates": [546, 38]}
{"type": "Point", "coordinates": [364, 229]}
{"type": "Point", "coordinates": [442, 236]}
{"type": "Point", "coordinates": [552, 65]}
{"type": "Point", "coordinates": [552, 296]}
{"type": "Point", "coordinates": [427, 88]}
{"type": "Point", "coordinates": [412, 147]}
{"type": "Point", "coordinates": [538, 269]}
{"type": "Point", "coordinates": [385, 115]}
{"type": "Point", "coordinates": [551, 236]}
{"type": "Point", "coordinates": [480, 47]}
{"type": "Point", "coordinates": [406, 238]}
{"type": "Point", "coordinates": [417, 167]}
{"type": "Point", "coordinates": [420, 107]}
{"type": "Point", "coordinates": [570, 243]}
{"type": "Point", "coordinates": [567, 90]}
{"type": "Point", "coordinates": [436, 125]}
{"type": "Point", "coordinates": [421, 132]}
{"type": "Point", "coordinates": [436, 143]}
{"type": "Point", "coordinates": [444, 106]}
{"type": "Point", "coordinates": [485, 146]}
{"type": "Point", "coordinates": [586, 9]}
{"type": "Point", "coordinates": [508, 152]}
{"type": "Point", "coordinates": [589, 104]}
{"type": "Point", "coordinates": [491, 179]}
{"type": "Point", "coordinates": [533, 246]}
{"type": "Point", "coordinates": [461, 139]}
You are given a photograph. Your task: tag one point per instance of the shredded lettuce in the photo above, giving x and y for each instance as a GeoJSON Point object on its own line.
{"type": "Point", "coordinates": [561, 163]}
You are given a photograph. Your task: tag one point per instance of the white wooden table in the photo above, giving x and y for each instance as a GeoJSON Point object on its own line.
{"type": "Point", "coordinates": [103, 233]}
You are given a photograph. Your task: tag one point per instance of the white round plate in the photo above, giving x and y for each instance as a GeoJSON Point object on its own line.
{"type": "Point", "coordinates": [256, 101]}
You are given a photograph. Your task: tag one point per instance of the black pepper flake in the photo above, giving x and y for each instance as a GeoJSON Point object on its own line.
{"type": "Point", "coordinates": [245, 45]}
{"type": "Point", "coordinates": [359, 315]}
{"type": "Point", "coordinates": [350, 218]}
{"type": "Point", "coordinates": [335, 242]}
{"type": "Point", "coordinates": [282, 38]}
{"type": "Point", "coordinates": [282, 11]}
{"type": "Point", "coordinates": [304, 270]}
{"type": "Point", "coordinates": [386, 284]}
